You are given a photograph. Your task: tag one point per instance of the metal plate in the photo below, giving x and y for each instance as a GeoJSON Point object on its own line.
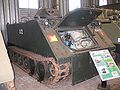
{"type": "Point", "coordinates": [112, 31]}
{"type": "Point", "coordinates": [30, 37]}
{"type": "Point", "coordinates": [79, 17]}
{"type": "Point", "coordinates": [82, 68]}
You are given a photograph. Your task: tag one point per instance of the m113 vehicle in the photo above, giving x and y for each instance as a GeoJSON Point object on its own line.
{"type": "Point", "coordinates": [110, 19]}
{"type": "Point", "coordinates": [51, 48]}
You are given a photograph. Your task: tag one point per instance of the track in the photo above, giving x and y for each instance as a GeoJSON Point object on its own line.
{"type": "Point", "coordinates": [44, 69]}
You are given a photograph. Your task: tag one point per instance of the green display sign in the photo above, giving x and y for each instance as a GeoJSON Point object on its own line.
{"type": "Point", "coordinates": [105, 64]}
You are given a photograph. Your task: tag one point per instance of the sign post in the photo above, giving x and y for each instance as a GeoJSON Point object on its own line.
{"type": "Point", "coordinates": [103, 86]}
{"type": "Point", "coordinates": [105, 66]}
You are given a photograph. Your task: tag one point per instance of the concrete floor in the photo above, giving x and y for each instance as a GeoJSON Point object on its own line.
{"type": "Point", "coordinates": [25, 82]}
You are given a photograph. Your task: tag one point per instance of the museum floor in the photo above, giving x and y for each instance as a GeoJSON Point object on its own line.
{"type": "Point", "coordinates": [25, 82]}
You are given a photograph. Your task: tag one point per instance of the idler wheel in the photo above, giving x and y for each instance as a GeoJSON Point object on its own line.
{"type": "Point", "coordinates": [53, 69]}
{"type": "Point", "coordinates": [57, 71]}
{"type": "Point", "coordinates": [42, 70]}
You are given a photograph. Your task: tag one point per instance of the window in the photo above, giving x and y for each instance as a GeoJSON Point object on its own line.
{"type": "Point", "coordinates": [102, 2]}
{"type": "Point", "coordinates": [28, 4]}
{"type": "Point", "coordinates": [73, 4]}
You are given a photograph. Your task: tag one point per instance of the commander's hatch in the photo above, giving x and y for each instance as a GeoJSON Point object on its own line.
{"type": "Point", "coordinates": [79, 17]}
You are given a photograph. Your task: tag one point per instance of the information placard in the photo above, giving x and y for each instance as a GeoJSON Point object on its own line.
{"type": "Point", "coordinates": [105, 64]}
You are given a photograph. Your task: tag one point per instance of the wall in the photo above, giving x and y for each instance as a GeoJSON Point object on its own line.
{"type": "Point", "coordinates": [29, 13]}
{"type": "Point", "coordinates": [8, 14]}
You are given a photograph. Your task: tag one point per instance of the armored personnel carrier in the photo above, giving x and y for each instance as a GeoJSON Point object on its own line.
{"type": "Point", "coordinates": [110, 19]}
{"type": "Point", "coordinates": [52, 47]}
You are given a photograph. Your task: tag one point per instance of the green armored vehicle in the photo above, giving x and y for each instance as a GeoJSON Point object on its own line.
{"type": "Point", "coordinates": [52, 47]}
{"type": "Point", "coordinates": [110, 19]}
